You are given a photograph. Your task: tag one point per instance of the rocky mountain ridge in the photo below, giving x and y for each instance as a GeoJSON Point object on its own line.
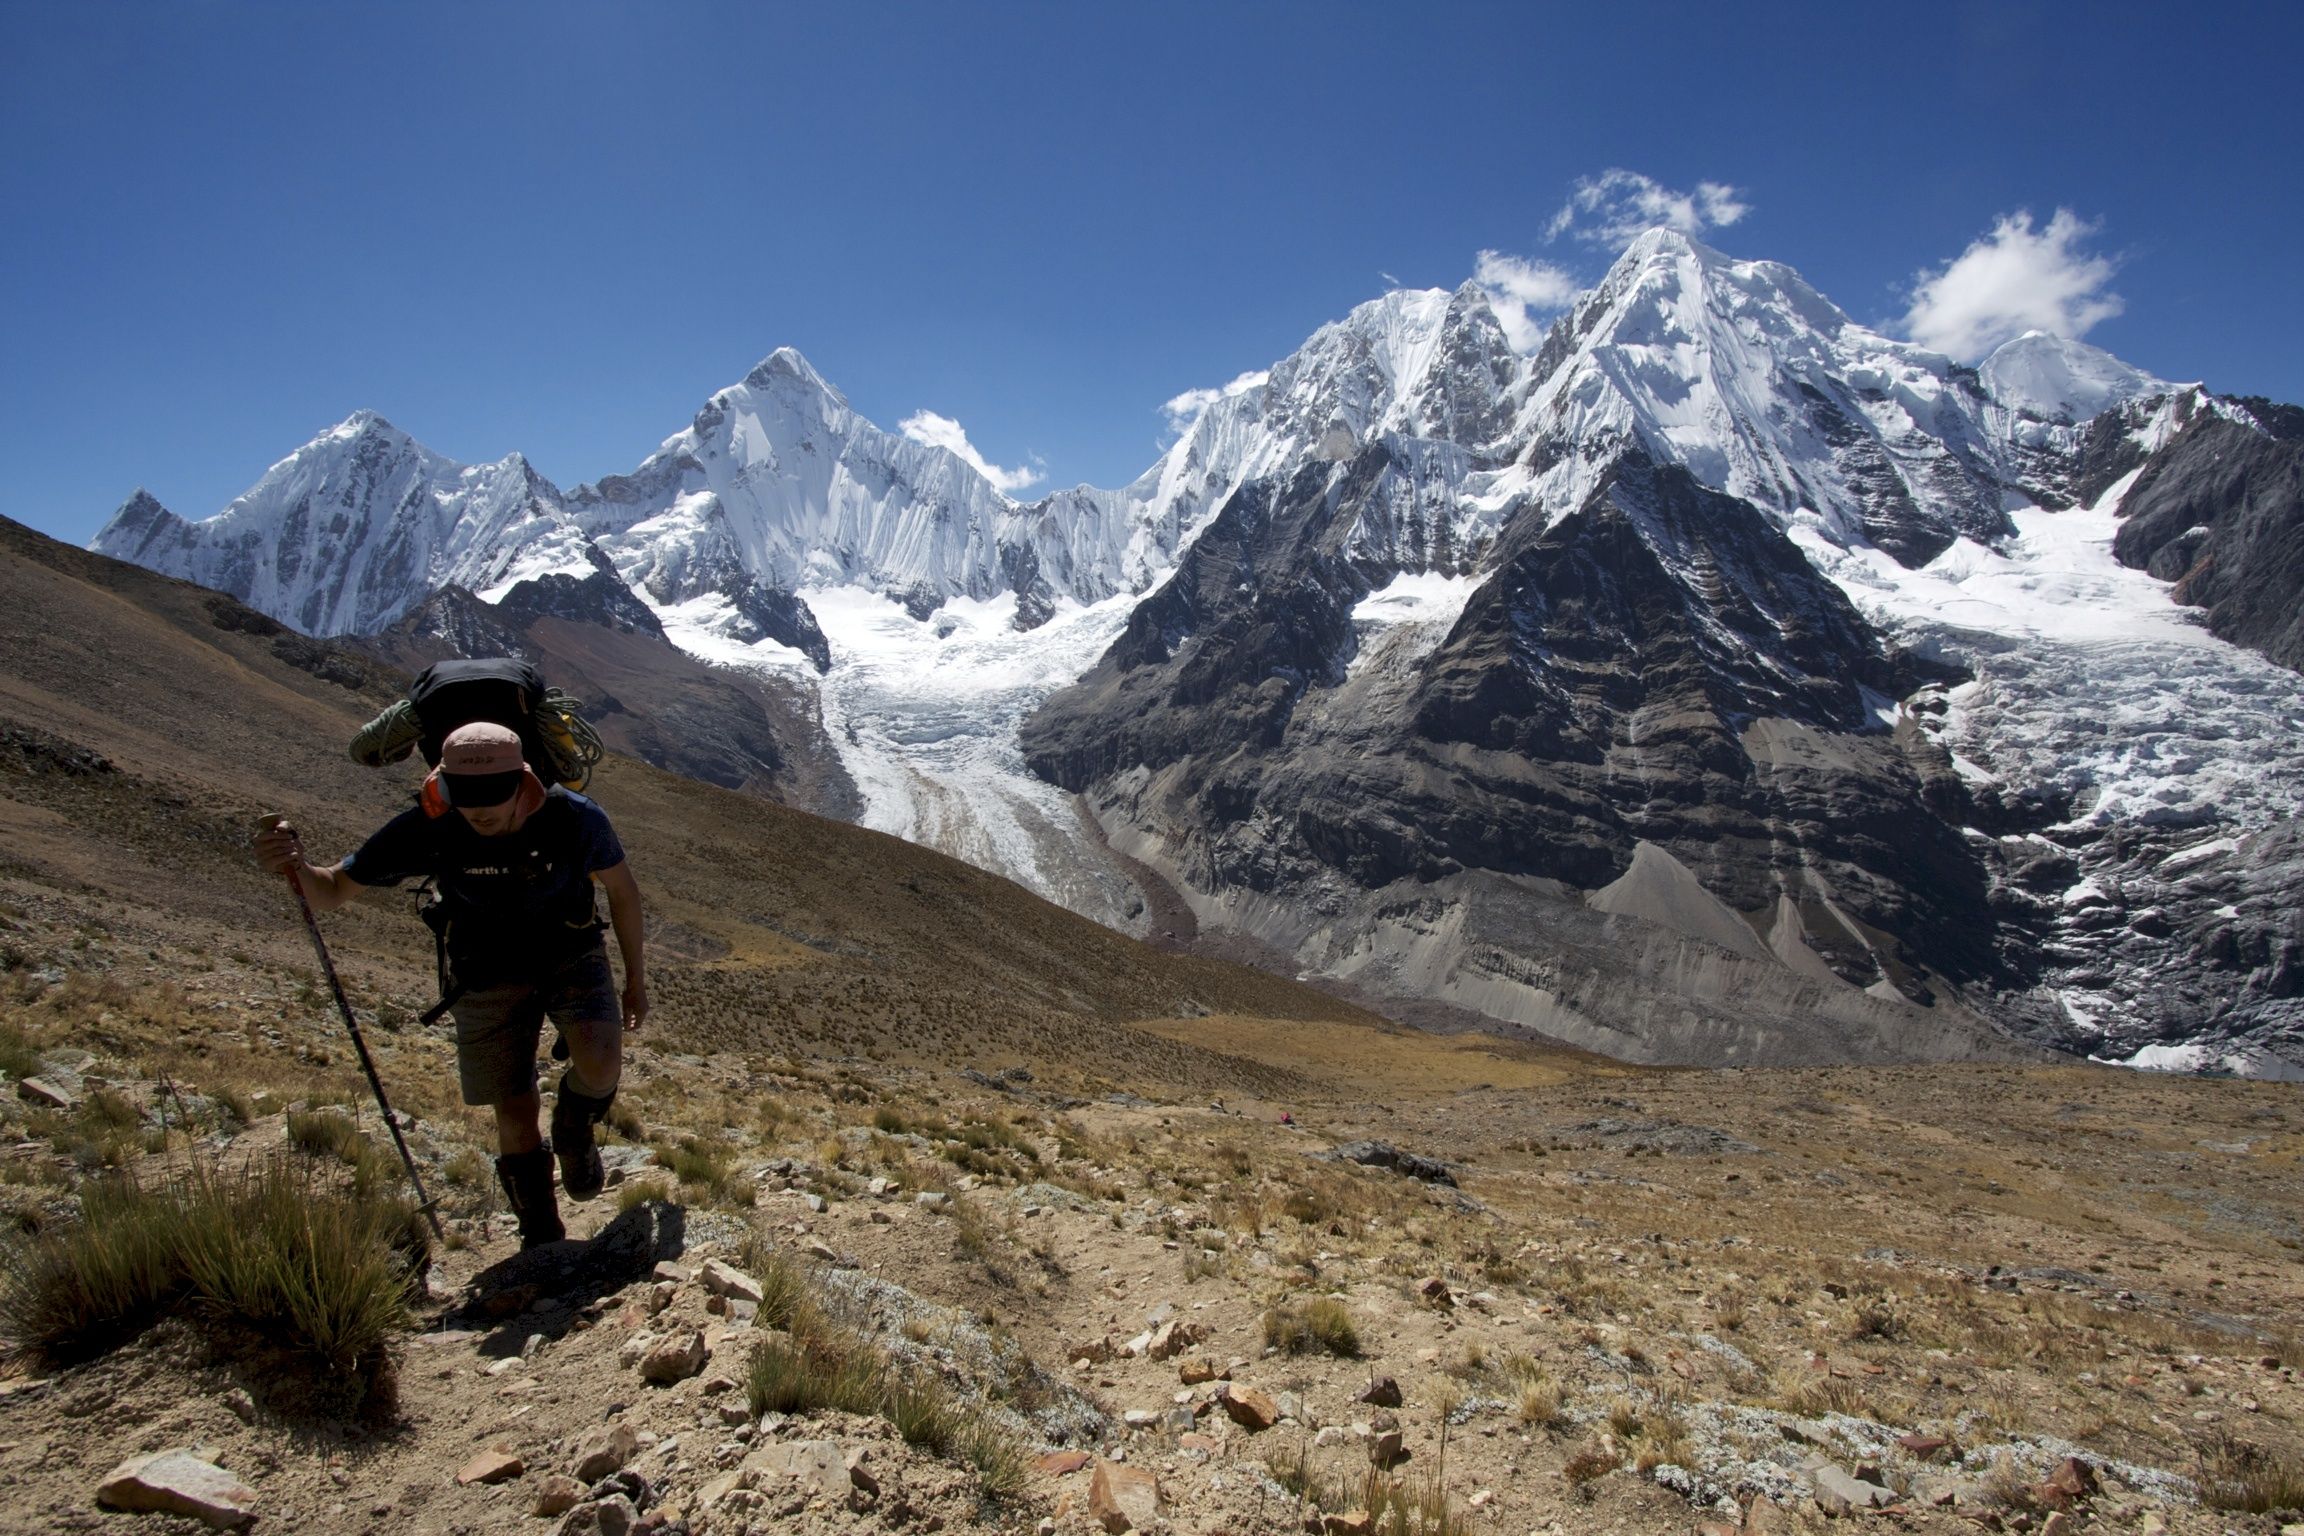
{"type": "Point", "coordinates": [1645, 605]}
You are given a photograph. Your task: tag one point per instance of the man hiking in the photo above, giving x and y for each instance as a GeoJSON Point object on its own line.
{"type": "Point", "coordinates": [514, 865]}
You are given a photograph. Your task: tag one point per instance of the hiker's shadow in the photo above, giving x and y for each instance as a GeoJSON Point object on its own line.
{"type": "Point", "coordinates": [547, 1290]}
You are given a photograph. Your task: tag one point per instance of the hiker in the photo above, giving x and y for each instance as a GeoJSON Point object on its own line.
{"type": "Point", "coordinates": [514, 863]}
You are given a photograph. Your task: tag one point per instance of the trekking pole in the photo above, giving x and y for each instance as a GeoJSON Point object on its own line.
{"type": "Point", "coordinates": [359, 1044]}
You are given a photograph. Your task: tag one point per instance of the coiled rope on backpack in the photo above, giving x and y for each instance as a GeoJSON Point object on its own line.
{"type": "Point", "coordinates": [578, 748]}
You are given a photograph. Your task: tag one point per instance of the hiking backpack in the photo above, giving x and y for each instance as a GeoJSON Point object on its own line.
{"type": "Point", "coordinates": [554, 736]}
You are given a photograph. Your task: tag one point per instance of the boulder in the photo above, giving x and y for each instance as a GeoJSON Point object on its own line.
{"type": "Point", "coordinates": [612, 1516]}
{"type": "Point", "coordinates": [818, 1467]}
{"type": "Point", "coordinates": [557, 1495]}
{"type": "Point", "coordinates": [47, 1093]}
{"type": "Point", "coordinates": [1249, 1408]}
{"type": "Point", "coordinates": [1383, 1392]}
{"type": "Point", "coordinates": [1123, 1498]}
{"type": "Point", "coordinates": [675, 1359]}
{"type": "Point", "coordinates": [179, 1483]}
{"type": "Point", "coordinates": [493, 1465]}
{"type": "Point", "coordinates": [1382, 1154]}
{"type": "Point", "coordinates": [605, 1450]}
{"type": "Point", "coordinates": [1765, 1517]}
{"type": "Point", "coordinates": [1838, 1492]}
{"type": "Point", "coordinates": [729, 1281]}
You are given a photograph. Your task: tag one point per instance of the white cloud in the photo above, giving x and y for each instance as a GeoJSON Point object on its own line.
{"type": "Point", "coordinates": [1185, 409]}
{"type": "Point", "coordinates": [1617, 205]}
{"type": "Point", "coordinates": [936, 431]}
{"type": "Point", "coordinates": [2013, 280]}
{"type": "Point", "coordinates": [1519, 291]}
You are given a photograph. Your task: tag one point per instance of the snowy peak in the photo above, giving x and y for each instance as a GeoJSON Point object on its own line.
{"type": "Point", "coordinates": [2056, 379]}
{"type": "Point", "coordinates": [785, 367]}
{"type": "Point", "coordinates": [1765, 389]}
{"type": "Point", "coordinates": [357, 527]}
{"type": "Point", "coordinates": [778, 483]}
{"type": "Point", "coordinates": [141, 522]}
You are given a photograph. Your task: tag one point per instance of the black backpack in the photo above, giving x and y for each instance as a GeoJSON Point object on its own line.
{"type": "Point", "coordinates": [505, 691]}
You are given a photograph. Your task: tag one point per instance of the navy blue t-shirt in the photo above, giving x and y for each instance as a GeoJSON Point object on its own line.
{"type": "Point", "coordinates": [515, 904]}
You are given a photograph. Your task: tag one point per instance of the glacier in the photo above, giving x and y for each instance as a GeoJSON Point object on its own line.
{"type": "Point", "coordinates": [1967, 512]}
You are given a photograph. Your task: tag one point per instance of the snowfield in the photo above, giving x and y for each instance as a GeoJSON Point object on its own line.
{"type": "Point", "coordinates": [924, 715]}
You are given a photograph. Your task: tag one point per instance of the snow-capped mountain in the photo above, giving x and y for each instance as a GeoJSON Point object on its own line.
{"type": "Point", "coordinates": [779, 482]}
{"type": "Point", "coordinates": [1722, 662]}
{"type": "Point", "coordinates": [358, 526]}
{"type": "Point", "coordinates": [2062, 381]}
{"type": "Point", "coordinates": [1763, 388]}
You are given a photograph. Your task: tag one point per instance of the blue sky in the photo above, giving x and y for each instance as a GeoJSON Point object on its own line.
{"type": "Point", "coordinates": [557, 228]}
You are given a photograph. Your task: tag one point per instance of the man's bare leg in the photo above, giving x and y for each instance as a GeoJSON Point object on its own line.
{"type": "Point", "coordinates": [517, 1126]}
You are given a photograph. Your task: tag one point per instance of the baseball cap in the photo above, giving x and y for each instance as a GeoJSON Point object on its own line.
{"type": "Point", "coordinates": [481, 765]}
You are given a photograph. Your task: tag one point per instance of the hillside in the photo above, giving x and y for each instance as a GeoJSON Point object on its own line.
{"type": "Point", "coordinates": [937, 1123]}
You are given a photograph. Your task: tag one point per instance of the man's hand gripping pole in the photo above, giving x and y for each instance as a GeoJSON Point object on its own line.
{"type": "Point", "coordinates": [267, 823]}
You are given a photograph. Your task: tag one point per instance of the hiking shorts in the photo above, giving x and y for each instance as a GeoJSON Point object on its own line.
{"type": "Point", "coordinates": [497, 1028]}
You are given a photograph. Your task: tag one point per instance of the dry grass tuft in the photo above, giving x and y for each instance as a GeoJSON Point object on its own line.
{"type": "Point", "coordinates": [1588, 1463]}
{"type": "Point", "coordinates": [2244, 1477]}
{"type": "Point", "coordinates": [1396, 1506]}
{"type": "Point", "coordinates": [824, 1364]}
{"type": "Point", "coordinates": [292, 1259]}
{"type": "Point", "coordinates": [1312, 1324]}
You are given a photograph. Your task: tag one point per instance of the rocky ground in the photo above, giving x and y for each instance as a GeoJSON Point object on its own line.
{"type": "Point", "coordinates": [1605, 1299]}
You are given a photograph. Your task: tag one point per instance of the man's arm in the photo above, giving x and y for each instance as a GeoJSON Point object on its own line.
{"type": "Point", "coordinates": [278, 850]}
{"type": "Point", "coordinates": [624, 916]}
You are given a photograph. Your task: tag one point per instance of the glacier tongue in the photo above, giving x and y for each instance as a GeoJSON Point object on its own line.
{"type": "Point", "coordinates": [924, 717]}
{"type": "Point", "coordinates": [2170, 753]}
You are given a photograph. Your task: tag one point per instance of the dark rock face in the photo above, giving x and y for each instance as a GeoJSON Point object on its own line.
{"type": "Point", "coordinates": [1035, 599]}
{"type": "Point", "coordinates": [1260, 608]}
{"type": "Point", "coordinates": [599, 598]}
{"type": "Point", "coordinates": [2285, 422]}
{"type": "Point", "coordinates": [771, 613]}
{"type": "Point", "coordinates": [2220, 512]}
{"type": "Point", "coordinates": [454, 622]}
{"type": "Point", "coordinates": [1467, 398]}
{"type": "Point", "coordinates": [1382, 1154]}
{"type": "Point", "coordinates": [1660, 667]}
{"type": "Point", "coordinates": [920, 600]}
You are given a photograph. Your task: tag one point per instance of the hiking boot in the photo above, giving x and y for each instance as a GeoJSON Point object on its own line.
{"type": "Point", "coordinates": [573, 1116]}
{"type": "Point", "coordinates": [527, 1181]}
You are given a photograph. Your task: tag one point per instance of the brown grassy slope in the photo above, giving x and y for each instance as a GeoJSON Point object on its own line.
{"type": "Point", "coordinates": [776, 929]}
